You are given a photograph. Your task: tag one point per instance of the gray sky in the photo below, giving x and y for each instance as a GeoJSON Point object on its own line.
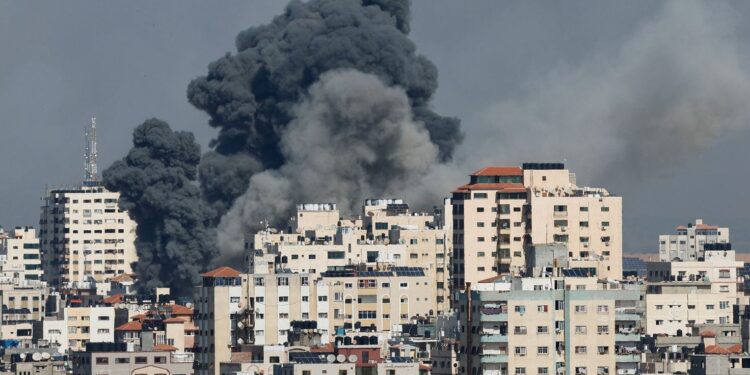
{"type": "Point", "coordinates": [502, 65]}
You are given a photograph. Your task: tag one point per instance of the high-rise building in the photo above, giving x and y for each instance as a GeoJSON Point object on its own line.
{"type": "Point", "coordinates": [218, 308]}
{"type": "Point", "coordinates": [22, 257]}
{"type": "Point", "coordinates": [504, 212]}
{"type": "Point", "coordinates": [689, 241]}
{"type": "Point", "coordinates": [84, 235]}
{"type": "Point", "coordinates": [549, 325]}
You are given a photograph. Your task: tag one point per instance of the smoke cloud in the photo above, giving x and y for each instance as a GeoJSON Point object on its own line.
{"type": "Point", "coordinates": [251, 95]}
{"type": "Point", "coordinates": [156, 181]}
{"type": "Point", "coordinates": [634, 111]}
{"type": "Point", "coordinates": [352, 138]}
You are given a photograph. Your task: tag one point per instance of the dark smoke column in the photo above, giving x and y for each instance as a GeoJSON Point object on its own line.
{"type": "Point", "coordinates": [156, 181]}
{"type": "Point", "coordinates": [250, 96]}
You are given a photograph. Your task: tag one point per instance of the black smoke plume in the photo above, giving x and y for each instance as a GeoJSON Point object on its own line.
{"type": "Point", "coordinates": [250, 96]}
{"type": "Point", "coordinates": [156, 181]}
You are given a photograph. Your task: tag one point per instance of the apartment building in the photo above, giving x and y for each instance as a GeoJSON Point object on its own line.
{"type": "Point", "coordinates": [279, 298]}
{"type": "Point", "coordinates": [219, 309]}
{"type": "Point", "coordinates": [504, 211]}
{"type": "Point", "coordinates": [687, 244]}
{"type": "Point", "coordinates": [389, 234]}
{"type": "Point", "coordinates": [23, 304]}
{"type": "Point", "coordinates": [571, 325]}
{"type": "Point", "coordinates": [21, 255]}
{"type": "Point", "coordinates": [114, 359]}
{"type": "Point", "coordinates": [94, 324]}
{"type": "Point", "coordinates": [373, 300]}
{"type": "Point", "coordinates": [85, 236]}
{"type": "Point", "coordinates": [681, 294]}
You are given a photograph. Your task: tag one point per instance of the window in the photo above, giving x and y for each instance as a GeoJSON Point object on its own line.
{"type": "Point", "coordinates": [580, 350]}
{"type": "Point", "coordinates": [160, 359]}
{"type": "Point", "coordinates": [283, 299]}
{"type": "Point", "coordinates": [602, 370]}
{"type": "Point", "coordinates": [122, 360]}
{"type": "Point", "coordinates": [581, 330]}
{"type": "Point", "coordinates": [480, 195]}
{"type": "Point", "coordinates": [542, 350]}
{"type": "Point", "coordinates": [659, 322]}
{"type": "Point", "coordinates": [584, 209]}
{"type": "Point", "coordinates": [580, 308]}
{"type": "Point", "coordinates": [381, 226]}
{"type": "Point", "coordinates": [605, 224]}
{"type": "Point", "coordinates": [259, 281]}
{"type": "Point", "coordinates": [542, 329]}
{"type": "Point", "coordinates": [542, 371]}
{"type": "Point", "coordinates": [602, 330]}
{"type": "Point", "coordinates": [519, 330]}
{"type": "Point", "coordinates": [560, 238]}
{"type": "Point", "coordinates": [561, 223]}
{"type": "Point", "coordinates": [367, 314]}
{"type": "Point", "coordinates": [724, 304]}
{"type": "Point", "coordinates": [480, 209]}
{"type": "Point", "coordinates": [583, 224]}
{"type": "Point", "coordinates": [561, 208]}
{"type": "Point", "coordinates": [709, 307]}
{"type": "Point", "coordinates": [141, 360]}
{"type": "Point", "coordinates": [659, 307]}
{"type": "Point", "coordinates": [602, 350]}
{"type": "Point", "coordinates": [724, 288]}
{"type": "Point", "coordinates": [520, 351]}
{"type": "Point", "coordinates": [336, 255]}
{"type": "Point", "coordinates": [602, 309]}
{"type": "Point", "coordinates": [724, 274]}
{"type": "Point", "coordinates": [102, 360]}
{"type": "Point", "coordinates": [322, 298]}
{"type": "Point", "coordinates": [519, 309]}
{"type": "Point", "coordinates": [521, 370]}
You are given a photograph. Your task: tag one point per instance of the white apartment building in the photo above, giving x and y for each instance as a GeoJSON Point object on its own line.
{"type": "Point", "coordinates": [85, 325]}
{"type": "Point", "coordinates": [689, 241]}
{"type": "Point", "coordinates": [85, 236]}
{"type": "Point", "coordinates": [504, 211]}
{"type": "Point", "coordinates": [21, 253]}
{"type": "Point", "coordinates": [684, 293]}
{"type": "Point", "coordinates": [278, 299]}
{"type": "Point", "coordinates": [389, 235]}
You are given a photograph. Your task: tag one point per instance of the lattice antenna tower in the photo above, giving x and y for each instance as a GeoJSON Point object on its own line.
{"type": "Point", "coordinates": [91, 170]}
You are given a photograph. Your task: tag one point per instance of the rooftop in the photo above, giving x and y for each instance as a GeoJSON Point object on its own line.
{"type": "Point", "coordinates": [222, 272]}
{"type": "Point", "coordinates": [499, 171]}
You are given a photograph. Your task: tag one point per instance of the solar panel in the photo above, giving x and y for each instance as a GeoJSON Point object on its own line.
{"type": "Point", "coordinates": [408, 271]}
{"type": "Point", "coordinates": [401, 359]}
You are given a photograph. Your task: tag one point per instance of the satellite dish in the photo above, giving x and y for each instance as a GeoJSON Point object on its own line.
{"type": "Point", "coordinates": [353, 358]}
{"type": "Point", "coordinates": [22, 356]}
{"type": "Point", "coordinates": [341, 358]}
{"type": "Point", "coordinates": [240, 341]}
{"type": "Point", "coordinates": [240, 325]}
{"type": "Point", "coordinates": [331, 358]}
{"type": "Point", "coordinates": [36, 356]}
{"type": "Point", "coordinates": [46, 355]}
{"type": "Point", "coordinates": [60, 350]}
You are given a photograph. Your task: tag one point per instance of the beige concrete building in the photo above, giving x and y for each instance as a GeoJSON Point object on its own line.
{"type": "Point", "coordinates": [689, 241]}
{"type": "Point", "coordinates": [373, 300]}
{"type": "Point", "coordinates": [504, 211]}
{"type": "Point", "coordinates": [85, 236]}
{"type": "Point", "coordinates": [113, 359]}
{"type": "Point", "coordinates": [22, 304]}
{"type": "Point", "coordinates": [21, 253]}
{"type": "Point", "coordinates": [389, 235]}
{"type": "Point", "coordinates": [684, 293]}
{"type": "Point", "coordinates": [219, 309]}
{"type": "Point", "coordinates": [278, 299]}
{"type": "Point", "coordinates": [89, 325]}
{"type": "Point", "coordinates": [571, 325]}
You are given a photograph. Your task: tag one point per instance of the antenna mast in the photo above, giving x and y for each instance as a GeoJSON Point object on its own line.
{"type": "Point", "coordinates": [91, 176]}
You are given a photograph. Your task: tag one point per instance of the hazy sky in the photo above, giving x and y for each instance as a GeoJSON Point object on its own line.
{"type": "Point", "coordinates": [530, 80]}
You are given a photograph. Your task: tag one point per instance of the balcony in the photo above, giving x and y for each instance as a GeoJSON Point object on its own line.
{"type": "Point", "coordinates": [494, 358]}
{"type": "Point", "coordinates": [499, 317]}
{"type": "Point", "coordinates": [627, 316]}
{"type": "Point", "coordinates": [486, 339]}
{"type": "Point", "coordinates": [627, 337]}
{"type": "Point", "coordinates": [622, 358]}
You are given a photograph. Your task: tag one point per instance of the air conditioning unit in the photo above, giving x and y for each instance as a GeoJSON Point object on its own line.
{"type": "Point", "coordinates": [586, 245]}
{"type": "Point", "coordinates": [563, 229]}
